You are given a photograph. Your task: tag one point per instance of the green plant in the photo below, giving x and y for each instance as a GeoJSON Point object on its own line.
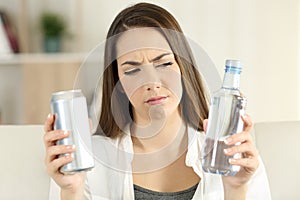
{"type": "Point", "coordinates": [52, 25]}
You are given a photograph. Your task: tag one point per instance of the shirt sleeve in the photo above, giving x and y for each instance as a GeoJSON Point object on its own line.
{"type": "Point", "coordinates": [258, 186]}
{"type": "Point", "coordinates": [54, 191]}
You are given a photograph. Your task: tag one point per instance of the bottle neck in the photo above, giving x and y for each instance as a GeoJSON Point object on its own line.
{"type": "Point", "coordinates": [231, 81]}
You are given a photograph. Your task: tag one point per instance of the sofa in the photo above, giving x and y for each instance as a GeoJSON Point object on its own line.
{"type": "Point", "coordinates": [23, 175]}
{"type": "Point", "coordinates": [279, 146]}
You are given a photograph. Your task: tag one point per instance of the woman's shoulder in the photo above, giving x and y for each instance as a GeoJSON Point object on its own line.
{"type": "Point", "coordinates": [194, 133]}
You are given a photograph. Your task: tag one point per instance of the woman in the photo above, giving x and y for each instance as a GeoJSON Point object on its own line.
{"type": "Point", "coordinates": [153, 115]}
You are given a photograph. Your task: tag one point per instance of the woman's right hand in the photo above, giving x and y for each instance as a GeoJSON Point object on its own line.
{"type": "Point", "coordinates": [68, 183]}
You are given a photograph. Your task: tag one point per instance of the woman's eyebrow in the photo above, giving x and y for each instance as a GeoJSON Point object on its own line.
{"type": "Point", "coordinates": [159, 57]}
{"type": "Point", "coordinates": [135, 63]}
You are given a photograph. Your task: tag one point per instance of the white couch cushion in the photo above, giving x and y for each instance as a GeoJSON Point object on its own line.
{"type": "Point", "coordinates": [23, 174]}
{"type": "Point", "coordinates": [22, 170]}
{"type": "Point", "coordinates": [279, 146]}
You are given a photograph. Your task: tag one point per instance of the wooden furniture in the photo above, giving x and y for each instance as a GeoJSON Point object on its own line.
{"type": "Point", "coordinates": [30, 78]}
{"type": "Point", "coordinates": [39, 76]}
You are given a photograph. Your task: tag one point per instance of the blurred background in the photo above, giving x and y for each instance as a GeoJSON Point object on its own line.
{"type": "Point", "coordinates": [43, 43]}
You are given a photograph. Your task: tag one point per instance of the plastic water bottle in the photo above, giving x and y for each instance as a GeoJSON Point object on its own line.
{"type": "Point", "coordinates": [227, 107]}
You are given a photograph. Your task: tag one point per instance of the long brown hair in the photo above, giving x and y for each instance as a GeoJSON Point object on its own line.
{"type": "Point", "coordinates": [194, 104]}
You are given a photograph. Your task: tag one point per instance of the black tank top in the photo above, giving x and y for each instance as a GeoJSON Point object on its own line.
{"type": "Point", "coordinates": [141, 193]}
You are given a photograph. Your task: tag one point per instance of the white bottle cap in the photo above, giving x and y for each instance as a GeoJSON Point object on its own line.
{"type": "Point", "coordinates": [233, 63]}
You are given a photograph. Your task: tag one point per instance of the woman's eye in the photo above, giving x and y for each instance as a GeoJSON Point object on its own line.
{"type": "Point", "coordinates": [132, 71]}
{"type": "Point", "coordinates": [165, 64]}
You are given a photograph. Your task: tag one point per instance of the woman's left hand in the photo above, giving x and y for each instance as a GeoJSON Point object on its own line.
{"type": "Point", "coordinates": [249, 159]}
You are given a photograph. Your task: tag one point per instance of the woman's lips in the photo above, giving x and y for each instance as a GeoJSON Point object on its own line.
{"type": "Point", "coordinates": [156, 100]}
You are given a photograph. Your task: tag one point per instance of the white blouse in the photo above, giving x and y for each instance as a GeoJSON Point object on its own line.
{"type": "Point", "coordinates": [111, 178]}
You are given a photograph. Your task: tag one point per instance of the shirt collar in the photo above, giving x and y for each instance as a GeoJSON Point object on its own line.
{"type": "Point", "coordinates": [193, 157]}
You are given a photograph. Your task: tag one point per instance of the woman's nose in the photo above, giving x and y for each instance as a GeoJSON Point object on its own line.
{"type": "Point", "coordinates": [152, 79]}
{"type": "Point", "coordinates": [153, 86]}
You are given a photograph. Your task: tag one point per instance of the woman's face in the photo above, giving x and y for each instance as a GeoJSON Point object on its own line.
{"type": "Point", "coordinates": [149, 76]}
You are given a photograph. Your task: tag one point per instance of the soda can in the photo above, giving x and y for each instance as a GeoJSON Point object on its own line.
{"type": "Point", "coordinates": [70, 110]}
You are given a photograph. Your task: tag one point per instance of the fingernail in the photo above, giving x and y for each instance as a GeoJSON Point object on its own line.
{"type": "Point", "coordinates": [70, 147]}
{"type": "Point", "coordinates": [232, 161]}
{"type": "Point", "coordinates": [227, 151]}
{"type": "Point", "coordinates": [228, 140]}
{"type": "Point", "coordinates": [69, 156]}
{"type": "Point", "coordinates": [49, 115]}
{"type": "Point", "coordinates": [66, 132]}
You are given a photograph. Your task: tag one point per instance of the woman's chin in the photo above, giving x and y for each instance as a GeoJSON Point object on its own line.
{"type": "Point", "coordinates": [157, 112]}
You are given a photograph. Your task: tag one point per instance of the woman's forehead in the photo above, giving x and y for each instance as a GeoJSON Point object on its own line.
{"type": "Point", "coordinates": [148, 53]}
{"type": "Point", "coordinates": [141, 39]}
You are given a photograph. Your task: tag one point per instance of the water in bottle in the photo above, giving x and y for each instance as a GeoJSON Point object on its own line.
{"type": "Point", "coordinates": [227, 107]}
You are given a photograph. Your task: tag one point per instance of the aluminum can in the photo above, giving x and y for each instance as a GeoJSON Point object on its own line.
{"type": "Point", "coordinates": [70, 110]}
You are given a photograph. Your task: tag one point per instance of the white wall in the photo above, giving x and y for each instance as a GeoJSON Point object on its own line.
{"type": "Point", "coordinates": [266, 40]}
{"type": "Point", "coordinates": [298, 50]}
{"type": "Point", "coordinates": [265, 35]}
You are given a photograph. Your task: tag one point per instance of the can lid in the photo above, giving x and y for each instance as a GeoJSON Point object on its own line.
{"type": "Point", "coordinates": [68, 94]}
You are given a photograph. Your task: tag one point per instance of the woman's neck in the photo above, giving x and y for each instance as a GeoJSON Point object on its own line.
{"type": "Point", "coordinates": [159, 134]}
{"type": "Point", "coordinates": [167, 145]}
